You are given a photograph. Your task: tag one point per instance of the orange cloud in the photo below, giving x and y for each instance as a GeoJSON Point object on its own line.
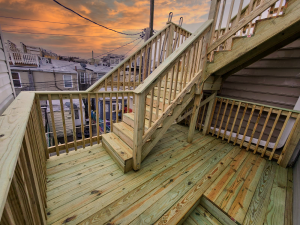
{"type": "Point", "coordinates": [129, 16]}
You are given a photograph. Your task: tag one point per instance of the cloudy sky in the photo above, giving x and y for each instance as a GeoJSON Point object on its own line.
{"type": "Point", "coordinates": [74, 36]}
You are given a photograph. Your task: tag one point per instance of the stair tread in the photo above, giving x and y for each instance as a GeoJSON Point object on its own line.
{"type": "Point", "coordinates": [120, 147]}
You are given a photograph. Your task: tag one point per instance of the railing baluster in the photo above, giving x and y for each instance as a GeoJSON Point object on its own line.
{"type": "Point", "coordinates": [271, 132]}
{"type": "Point", "coordinates": [176, 80]}
{"type": "Point", "coordinates": [255, 126]}
{"type": "Point", "coordinates": [158, 99]}
{"type": "Point", "coordinates": [151, 107]}
{"type": "Point", "coordinates": [249, 120]}
{"type": "Point", "coordinates": [281, 132]}
{"type": "Point", "coordinates": [104, 113]}
{"type": "Point", "coordinates": [203, 115]}
{"type": "Point", "coordinates": [263, 129]}
{"type": "Point", "coordinates": [171, 84]}
{"type": "Point", "coordinates": [217, 119]}
{"type": "Point", "coordinates": [241, 122]}
{"type": "Point", "coordinates": [110, 113]}
{"type": "Point", "coordinates": [63, 122]}
{"type": "Point", "coordinates": [73, 122]}
{"type": "Point", "coordinates": [224, 112]}
{"type": "Point", "coordinates": [90, 119]}
{"type": "Point", "coordinates": [228, 119]}
{"type": "Point", "coordinates": [97, 117]}
{"type": "Point", "coordinates": [236, 114]}
{"type": "Point", "coordinates": [165, 91]}
{"type": "Point", "coordinates": [53, 124]}
{"type": "Point", "coordinates": [134, 72]}
{"type": "Point", "coordinates": [81, 120]}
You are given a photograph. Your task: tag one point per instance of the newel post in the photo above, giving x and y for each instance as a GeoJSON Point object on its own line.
{"type": "Point", "coordinates": [139, 122]}
{"type": "Point", "coordinates": [170, 40]}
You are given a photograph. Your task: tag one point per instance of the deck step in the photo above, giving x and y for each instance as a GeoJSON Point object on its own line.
{"type": "Point", "coordinates": [118, 150]}
{"type": "Point", "coordinates": [129, 119]}
{"type": "Point", "coordinates": [125, 132]}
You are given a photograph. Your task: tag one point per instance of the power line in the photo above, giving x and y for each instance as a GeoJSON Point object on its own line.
{"type": "Point", "coordinates": [45, 21]}
{"type": "Point", "coordinates": [103, 53]}
{"type": "Point", "coordinates": [92, 20]}
{"type": "Point", "coordinates": [67, 35]}
{"type": "Point", "coordinates": [133, 47]}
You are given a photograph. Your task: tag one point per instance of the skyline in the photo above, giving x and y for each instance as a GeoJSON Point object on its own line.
{"type": "Point", "coordinates": [128, 16]}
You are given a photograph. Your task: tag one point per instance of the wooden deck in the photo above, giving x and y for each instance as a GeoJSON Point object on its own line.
{"type": "Point", "coordinates": [87, 187]}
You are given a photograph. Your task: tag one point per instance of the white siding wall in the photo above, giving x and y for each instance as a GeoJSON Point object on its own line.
{"type": "Point", "coordinates": [7, 93]}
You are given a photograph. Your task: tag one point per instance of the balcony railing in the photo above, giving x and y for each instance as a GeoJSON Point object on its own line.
{"type": "Point", "coordinates": [19, 58]}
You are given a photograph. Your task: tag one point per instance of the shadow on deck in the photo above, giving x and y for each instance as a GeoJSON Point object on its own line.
{"type": "Point", "coordinates": [87, 187]}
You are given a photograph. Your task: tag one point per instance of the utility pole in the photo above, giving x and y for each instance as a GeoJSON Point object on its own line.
{"type": "Point", "coordinates": [151, 17]}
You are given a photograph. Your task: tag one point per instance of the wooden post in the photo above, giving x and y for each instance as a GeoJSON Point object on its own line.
{"type": "Point", "coordinates": [195, 112]}
{"type": "Point", "coordinates": [139, 121]}
{"type": "Point", "coordinates": [170, 40]}
{"type": "Point", "coordinates": [209, 114]}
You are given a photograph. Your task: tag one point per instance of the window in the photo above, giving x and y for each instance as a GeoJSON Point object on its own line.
{"type": "Point", "coordinates": [16, 80]}
{"type": "Point", "coordinates": [82, 77]}
{"type": "Point", "coordinates": [106, 108]}
{"type": "Point", "coordinates": [68, 81]}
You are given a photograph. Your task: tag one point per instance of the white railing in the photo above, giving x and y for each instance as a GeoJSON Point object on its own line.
{"type": "Point", "coordinates": [23, 58]}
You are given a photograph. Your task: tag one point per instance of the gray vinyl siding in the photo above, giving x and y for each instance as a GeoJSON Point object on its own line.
{"type": "Point", "coordinates": [6, 89]}
{"type": "Point", "coordinates": [273, 80]}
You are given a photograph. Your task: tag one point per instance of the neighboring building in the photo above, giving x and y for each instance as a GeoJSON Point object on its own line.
{"type": "Point", "coordinates": [67, 116]}
{"type": "Point", "coordinates": [112, 60]}
{"type": "Point", "coordinates": [7, 92]}
{"type": "Point", "coordinates": [51, 75]}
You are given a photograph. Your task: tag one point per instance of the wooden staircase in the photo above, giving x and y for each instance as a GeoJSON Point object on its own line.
{"type": "Point", "coordinates": [119, 144]}
{"type": "Point", "coordinates": [163, 95]}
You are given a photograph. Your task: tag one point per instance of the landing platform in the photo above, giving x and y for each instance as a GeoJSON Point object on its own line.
{"type": "Point", "coordinates": [87, 187]}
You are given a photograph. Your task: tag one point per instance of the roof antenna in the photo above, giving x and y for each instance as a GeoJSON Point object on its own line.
{"type": "Point", "coordinates": [180, 21]}
{"type": "Point", "coordinates": [170, 17]}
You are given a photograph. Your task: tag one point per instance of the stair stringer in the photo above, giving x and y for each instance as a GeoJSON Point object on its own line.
{"type": "Point", "coordinates": [167, 122]}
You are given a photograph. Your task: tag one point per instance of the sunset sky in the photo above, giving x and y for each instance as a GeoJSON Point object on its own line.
{"type": "Point", "coordinates": [128, 16]}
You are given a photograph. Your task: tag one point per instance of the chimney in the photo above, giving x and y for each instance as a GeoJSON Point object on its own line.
{"type": "Point", "coordinates": [76, 68]}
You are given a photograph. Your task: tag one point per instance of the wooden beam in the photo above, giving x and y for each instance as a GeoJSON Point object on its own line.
{"type": "Point", "coordinates": [195, 112]}
{"type": "Point", "coordinates": [209, 113]}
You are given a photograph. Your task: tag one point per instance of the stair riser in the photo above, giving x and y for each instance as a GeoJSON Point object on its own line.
{"type": "Point", "coordinates": [128, 121]}
{"type": "Point", "coordinates": [148, 102]}
{"type": "Point", "coordinates": [124, 166]}
{"type": "Point", "coordinates": [123, 136]}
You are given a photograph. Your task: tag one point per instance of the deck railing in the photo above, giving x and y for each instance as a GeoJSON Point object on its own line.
{"type": "Point", "coordinates": [243, 23]}
{"type": "Point", "coordinates": [22, 163]}
{"type": "Point", "coordinates": [77, 119]}
{"type": "Point", "coordinates": [266, 130]}
{"type": "Point", "coordinates": [138, 66]}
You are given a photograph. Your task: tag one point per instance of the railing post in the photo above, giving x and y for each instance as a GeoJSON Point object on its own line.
{"type": "Point", "coordinates": [209, 114]}
{"type": "Point", "coordinates": [170, 40]}
{"type": "Point", "coordinates": [139, 122]}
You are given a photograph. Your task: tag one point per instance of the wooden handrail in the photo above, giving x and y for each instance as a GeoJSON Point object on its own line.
{"type": "Point", "coordinates": [141, 53]}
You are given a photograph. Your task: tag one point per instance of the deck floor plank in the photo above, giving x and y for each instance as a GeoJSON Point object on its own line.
{"type": "Point", "coordinates": [87, 187]}
{"type": "Point", "coordinates": [258, 207]}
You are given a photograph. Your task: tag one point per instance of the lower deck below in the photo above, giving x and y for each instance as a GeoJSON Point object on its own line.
{"type": "Point", "coordinates": [87, 187]}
